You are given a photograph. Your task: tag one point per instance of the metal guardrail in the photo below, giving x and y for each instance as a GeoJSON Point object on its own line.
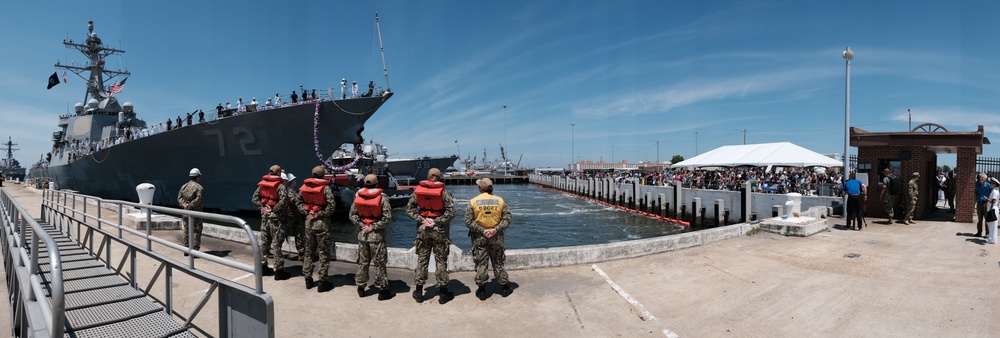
{"type": "Point", "coordinates": [28, 300]}
{"type": "Point", "coordinates": [243, 312]}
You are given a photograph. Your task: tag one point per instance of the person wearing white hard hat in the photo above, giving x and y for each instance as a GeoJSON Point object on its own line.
{"type": "Point", "coordinates": [294, 221]}
{"type": "Point", "coordinates": [343, 88]}
{"type": "Point", "coordinates": [354, 90]}
{"type": "Point", "coordinates": [190, 198]}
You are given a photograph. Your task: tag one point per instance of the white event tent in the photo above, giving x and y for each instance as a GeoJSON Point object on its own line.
{"type": "Point", "coordinates": [784, 154]}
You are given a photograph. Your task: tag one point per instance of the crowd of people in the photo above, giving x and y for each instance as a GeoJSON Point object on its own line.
{"type": "Point", "coordinates": [807, 181]}
{"type": "Point", "coordinates": [305, 214]}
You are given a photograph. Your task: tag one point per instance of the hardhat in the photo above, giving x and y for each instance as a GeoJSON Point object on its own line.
{"type": "Point", "coordinates": [371, 180]}
{"type": "Point", "coordinates": [194, 172]}
{"type": "Point", "coordinates": [287, 176]}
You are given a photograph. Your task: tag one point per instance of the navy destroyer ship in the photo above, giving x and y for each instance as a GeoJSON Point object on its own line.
{"type": "Point", "coordinates": [10, 168]}
{"type": "Point", "coordinates": [104, 149]}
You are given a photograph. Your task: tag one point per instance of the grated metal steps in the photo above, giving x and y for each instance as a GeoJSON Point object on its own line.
{"type": "Point", "coordinates": [98, 302]}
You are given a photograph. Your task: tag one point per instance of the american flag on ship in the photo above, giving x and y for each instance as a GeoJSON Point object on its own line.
{"type": "Point", "coordinates": [118, 86]}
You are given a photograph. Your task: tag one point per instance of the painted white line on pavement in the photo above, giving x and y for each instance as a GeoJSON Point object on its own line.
{"type": "Point", "coordinates": [630, 300]}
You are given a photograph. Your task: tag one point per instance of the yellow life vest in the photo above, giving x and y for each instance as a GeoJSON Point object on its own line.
{"type": "Point", "coordinates": [488, 210]}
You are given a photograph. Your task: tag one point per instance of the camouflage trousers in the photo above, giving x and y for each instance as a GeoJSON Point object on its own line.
{"type": "Point", "coordinates": [489, 250]}
{"type": "Point", "coordinates": [372, 253]}
{"type": "Point", "coordinates": [441, 246]}
{"type": "Point", "coordinates": [317, 240]}
{"type": "Point", "coordinates": [888, 203]}
{"type": "Point", "coordinates": [296, 227]}
{"type": "Point", "coordinates": [272, 235]}
{"type": "Point", "coordinates": [910, 204]}
{"type": "Point", "coordinates": [197, 233]}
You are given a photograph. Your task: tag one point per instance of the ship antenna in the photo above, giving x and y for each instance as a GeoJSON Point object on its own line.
{"type": "Point", "coordinates": [382, 50]}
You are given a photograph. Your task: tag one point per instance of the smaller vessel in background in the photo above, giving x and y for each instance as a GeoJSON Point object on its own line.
{"type": "Point", "coordinates": [9, 167]}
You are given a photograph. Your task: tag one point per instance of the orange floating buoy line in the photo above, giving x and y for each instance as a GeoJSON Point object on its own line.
{"type": "Point", "coordinates": [647, 214]}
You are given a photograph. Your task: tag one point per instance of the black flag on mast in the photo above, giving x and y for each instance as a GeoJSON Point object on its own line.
{"type": "Point", "coordinates": [53, 80]}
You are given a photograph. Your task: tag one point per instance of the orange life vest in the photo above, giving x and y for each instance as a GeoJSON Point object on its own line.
{"type": "Point", "coordinates": [269, 189]}
{"type": "Point", "coordinates": [368, 202]}
{"type": "Point", "coordinates": [429, 198]}
{"type": "Point", "coordinates": [312, 193]}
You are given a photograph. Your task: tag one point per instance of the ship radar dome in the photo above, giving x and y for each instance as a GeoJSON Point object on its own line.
{"type": "Point", "coordinates": [92, 103]}
{"type": "Point", "coordinates": [78, 107]}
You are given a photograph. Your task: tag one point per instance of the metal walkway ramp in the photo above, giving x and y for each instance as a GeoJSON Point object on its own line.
{"type": "Point", "coordinates": [99, 303]}
{"type": "Point", "coordinates": [74, 273]}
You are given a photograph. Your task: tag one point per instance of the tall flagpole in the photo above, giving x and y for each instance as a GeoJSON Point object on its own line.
{"type": "Point", "coordinates": [385, 70]}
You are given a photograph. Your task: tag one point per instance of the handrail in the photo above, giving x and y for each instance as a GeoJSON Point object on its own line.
{"type": "Point", "coordinates": [51, 199]}
{"type": "Point", "coordinates": [16, 221]}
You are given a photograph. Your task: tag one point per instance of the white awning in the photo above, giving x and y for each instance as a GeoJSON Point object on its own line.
{"type": "Point", "coordinates": [784, 154]}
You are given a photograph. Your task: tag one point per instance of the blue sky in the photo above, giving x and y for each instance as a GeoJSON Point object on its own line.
{"type": "Point", "coordinates": [691, 75]}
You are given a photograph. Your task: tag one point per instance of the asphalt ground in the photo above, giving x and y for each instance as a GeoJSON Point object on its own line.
{"type": "Point", "coordinates": [887, 280]}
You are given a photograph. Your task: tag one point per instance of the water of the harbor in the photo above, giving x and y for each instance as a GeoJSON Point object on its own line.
{"type": "Point", "coordinates": [541, 219]}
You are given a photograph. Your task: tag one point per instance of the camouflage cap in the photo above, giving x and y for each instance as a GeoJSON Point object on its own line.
{"type": "Point", "coordinates": [484, 183]}
{"type": "Point", "coordinates": [371, 180]}
{"type": "Point", "coordinates": [275, 169]}
{"type": "Point", "coordinates": [318, 171]}
{"type": "Point", "coordinates": [434, 172]}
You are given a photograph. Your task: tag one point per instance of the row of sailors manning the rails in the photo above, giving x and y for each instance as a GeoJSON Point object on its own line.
{"type": "Point", "coordinates": [224, 111]}
{"type": "Point", "coordinates": [431, 206]}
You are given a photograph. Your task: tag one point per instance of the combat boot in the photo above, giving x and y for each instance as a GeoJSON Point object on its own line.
{"type": "Point", "coordinates": [418, 293]}
{"type": "Point", "coordinates": [444, 295]}
{"type": "Point", "coordinates": [481, 292]}
{"type": "Point", "coordinates": [506, 291]}
{"type": "Point", "coordinates": [309, 283]}
{"type": "Point", "coordinates": [361, 291]}
{"type": "Point", "coordinates": [267, 270]}
{"type": "Point", "coordinates": [300, 257]}
{"type": "Point", "coordinates": [323, 286]}
{"type": "Point", "coordinates": [281, 275]}
{"type": "Point", "coordinates": [386, 294]}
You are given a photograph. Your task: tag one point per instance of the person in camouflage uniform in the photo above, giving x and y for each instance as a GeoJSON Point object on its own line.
{"type": "Point", "coordinates": [912, 190]}
{"type": "Point", "coordinates": [271, 197]}
{"type": "Point", "coordinates": [294, 223]}
{"type": "Point", "coordinates": [887, 196]}
{"type": "Point", "coordinates": [317, 204]}
{"type": "Point", "coordinates": [487, 217]}
{"type": "Point", "coordinates": [190, 198]}
{"type": "Point", "coordinates": [433, 208]}
{"type": "Point", "coordinates": [372, 213]}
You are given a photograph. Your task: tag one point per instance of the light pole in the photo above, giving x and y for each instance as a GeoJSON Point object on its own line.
{"type": "Point", "coordinates": [572, 145]}
{"type": "Point", "coordinates": [744, 135]}
{"type": "Point", "coordinates": [848, 55]}
{"type": "Point", "coordinates": [505, 126]}
{"type": "Point", "coordinates": [695, 143]}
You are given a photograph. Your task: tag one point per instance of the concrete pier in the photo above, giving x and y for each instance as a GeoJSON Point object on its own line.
{"type": "Point", "coordinates": [925, 279]}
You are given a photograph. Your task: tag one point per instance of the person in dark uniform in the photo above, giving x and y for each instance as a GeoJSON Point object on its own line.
{"type": "Point", "coordinates": [169, 122]}
{"type": "Point", "coordinates": [201, 116]}
{"type": "Point", "coordinates": [180, 123]}
{"type": "Point", "coordinates": [189, 117]}
{"type": "Point", "coordinates": [856, 193]}
{"type": "Point", "coordinates": [218, 111]}
{"type": "Point", "coordinates": [295, 97]}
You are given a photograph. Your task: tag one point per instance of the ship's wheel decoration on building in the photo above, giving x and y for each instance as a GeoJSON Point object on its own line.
{"type": "Point", "coordinates": [319, 154]}
{"type": "Point", "coordinates": [930, 128]}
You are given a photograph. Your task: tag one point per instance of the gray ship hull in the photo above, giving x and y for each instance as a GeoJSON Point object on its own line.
{"type": "Point", "coordinates": [417, 168]}
{"type": "Point", "coordinates": [232, 153]}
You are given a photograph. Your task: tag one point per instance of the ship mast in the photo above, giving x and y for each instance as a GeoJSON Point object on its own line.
{"type": "Point", "coordinates": [385, 70]}
{"type": "Point", "coordinates": [96, 53]}
{"type": "Point", "coordinates": [9, 148]}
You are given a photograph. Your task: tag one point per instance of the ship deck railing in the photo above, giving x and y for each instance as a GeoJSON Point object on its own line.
{"type": "Point", "coordinates": [243, 311]}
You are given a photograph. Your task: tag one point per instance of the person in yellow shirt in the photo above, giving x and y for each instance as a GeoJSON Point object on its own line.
{"type": "Point", "coordinates": [487, 217]}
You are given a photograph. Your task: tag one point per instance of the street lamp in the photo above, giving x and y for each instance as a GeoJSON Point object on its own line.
{"type": "Point", "coordinates": [744, 135]}
{"type": "Point", "coordinates": [572, 145]}
{"type": "Point", "coordinates": [848, 55]}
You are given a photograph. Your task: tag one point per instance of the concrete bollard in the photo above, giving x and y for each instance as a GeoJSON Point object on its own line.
{"type": "Point", "coordinates": [777, 210]}
{"type": "Point", "coordinates": [662, 211]}
{"type": "Point", "coordinates": [720, 207]}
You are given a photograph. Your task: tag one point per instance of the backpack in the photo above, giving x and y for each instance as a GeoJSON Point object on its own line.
{"type": "Point", "coordinates": [893, 185]}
